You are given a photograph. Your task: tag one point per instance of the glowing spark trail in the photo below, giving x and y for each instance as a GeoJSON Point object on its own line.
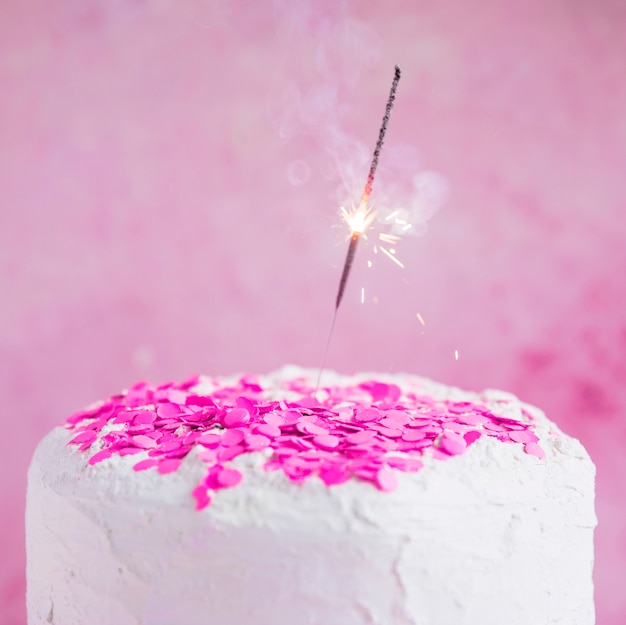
{"type": "Point", "coordinates": [388, 238]}
{"type": "Point", "coordinates": [390, 256]}
{"type": "Point", "coordinates": [360, 219]}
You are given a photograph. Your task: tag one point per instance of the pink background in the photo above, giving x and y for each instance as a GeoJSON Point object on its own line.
{"type": "Point", "coordinates": [170, 177]}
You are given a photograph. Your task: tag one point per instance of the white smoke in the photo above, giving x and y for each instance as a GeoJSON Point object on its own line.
{"type": "Point", "coordinates": [327, 53]}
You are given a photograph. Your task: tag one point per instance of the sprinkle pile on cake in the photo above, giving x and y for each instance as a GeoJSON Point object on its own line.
{"type": "Point", "coordinates": [366, 430]}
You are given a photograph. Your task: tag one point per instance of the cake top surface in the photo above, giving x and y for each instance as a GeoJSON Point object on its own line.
{"type": "Point", "coordinates": [366, 427]}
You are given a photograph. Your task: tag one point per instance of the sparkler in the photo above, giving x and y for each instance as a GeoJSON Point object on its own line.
{"type": "Point", "coordinates": [361, 218]}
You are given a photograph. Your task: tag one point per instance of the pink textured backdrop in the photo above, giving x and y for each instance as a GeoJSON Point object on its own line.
{"type": "Point", "coordinates": [169, 176]}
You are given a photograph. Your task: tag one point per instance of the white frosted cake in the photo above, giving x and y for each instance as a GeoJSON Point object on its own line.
{"type": "Point", "coordinates": [378, 500]}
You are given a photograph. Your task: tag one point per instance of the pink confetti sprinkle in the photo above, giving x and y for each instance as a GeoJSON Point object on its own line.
{"type": "Point", "coordinates": [439, 454]}
{"type": "Point", "coordinates": [326, 440]}
{"type": "Point", "coordinates": [367, 414]}
{"type": "Point", "coordinates": [176, 396]}
{"type": "Point", "coordinates": [308, 402]}
{"type": "Point", "coordinates": [139, 429]}
{"type": "Point", "coordinates": [129, 451]}
{"type": "Point", "coordinates": [212, 440]}
{"type": "Point", "coordinates": [199, 400]}
{"type": "Point", "coordinates": [386, 480]}
{"type": "Point", "coordinates": [453, 426]}
{"type": "Point", "coordinates": [453, 444]}
{"type": "Point", "coordinates": [233, 437]}
{"type": "Point", "coordinates": [176, 453]}
{"type": "Point", "coordinates": [389, 432]}
{"type": "Point", "coordinates": [272, 465]}
{"type": "Point", "coordinates": [123, 416]}
{"type": "Point", "coordinates": [271, 431]}
{"type": "Point", "coordinates": [100, 456]}
{"type": "Point", "coordinates": [413, 435]}
{"type": "Point", "coordinates": [201, 496]}
{"type": "Point", "coordinates": [419, 422]}
{"type": "Point", "coordinates": [311, 428]}
{"type": "Point", "coordinates": [85, 437]}
{"type": "Point", "coordinates": [229, 453]}
{"type": "Point", "coordinates": [257, 441]}
{"type": "Point", "coordinates": [208, 455]}
{"type": "Point", "coordinates": [195, 416]}
{"type": "Point", "coordinates": [169, 466]}
{"type": "Point", "coordinates": [361, 437]}
{"type": "Point", "coordinates": [191, 438]}
{"type": "Point", "coordinates": [143, 441]}
{"type": "Point", "coordinates": [247, 404]}
{"type": "Point", "coordinates": [274, 419]}
{"type": "Point", "coordinates": [334, 475]}
{"type": "Point", "coordinates": [495, 427]}
{"type": "Point", "coordinates": [171, 445]}
{"type": "Point", "coordinates": [283, 452]}
{"type": "Point", "coordinates": [290, 417]}
{"type": "Point", "coordinates": [144, 417]}
{"type": "Point", "coordinates": [168, 410]}
{"type": "Point", "coordinates": [251, 382]}
{"type": "Point", "coordinates": [236, 417]}
{"type": "Point", "coordinates": [523, 436]}
{"type": "Point", "coordinates": [229, 477]}
{"type": "Point", "coordinates": [394, 422]}
{"type": "Point", "coordinates": [535, 450]}
{"type": "Point", "coordinates": [471, 419]}
{"type": "Point", "coordinates": [408, 465]}
{"type": "Point", "coordinates": [471, 437]}
{"type": "Point", "coordinates": [142, 465]}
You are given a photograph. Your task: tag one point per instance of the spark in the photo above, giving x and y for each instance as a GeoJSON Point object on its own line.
{"type": "Point", "coordinates": [359, 219]}
{"type": "Point", "coordinates": [388, 238]}
{"type": "Point", "coordinates": [391, 216]}
{"type": "Point", "coordinates": [362, 295]}
{"type": "Point", "coordinates": [391, 256]}
{"type": "Point", "coordinates": [420, 319]}
{"type": "Point", "coordinates": [456, 354]}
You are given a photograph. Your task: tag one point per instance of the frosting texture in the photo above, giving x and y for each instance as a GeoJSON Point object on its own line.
{"type": "Point", "coordinates": [475, 530]}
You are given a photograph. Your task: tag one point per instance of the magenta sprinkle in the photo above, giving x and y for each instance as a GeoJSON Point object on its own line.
{"type": "Point", "coordinates": [370, 431]}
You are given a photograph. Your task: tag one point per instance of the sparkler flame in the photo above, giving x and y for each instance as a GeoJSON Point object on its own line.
{"type": "Point", "coordinates": [359, 219]}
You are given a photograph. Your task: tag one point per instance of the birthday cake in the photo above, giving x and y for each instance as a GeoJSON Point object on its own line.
{"type": "Point", "coordinates": [379, 499]}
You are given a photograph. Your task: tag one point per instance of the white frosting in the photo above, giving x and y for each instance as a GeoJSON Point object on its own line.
{"type": "Point", "coordinates": [488, 537]}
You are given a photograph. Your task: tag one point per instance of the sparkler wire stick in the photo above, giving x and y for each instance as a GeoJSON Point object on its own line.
{"type": "Point", "coordinates": [381, 135]}
{"type": "Point", "coordinates": [347, 266]}
{"type": "Point", "coordinates": [361, 218]}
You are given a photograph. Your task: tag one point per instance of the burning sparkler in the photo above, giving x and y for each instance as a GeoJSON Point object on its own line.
{"type": "Point", "coordinates": [360, 218]}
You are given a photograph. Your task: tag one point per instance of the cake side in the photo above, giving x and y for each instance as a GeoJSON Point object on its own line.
{"type": "Point", "coordinates": [491, 532]}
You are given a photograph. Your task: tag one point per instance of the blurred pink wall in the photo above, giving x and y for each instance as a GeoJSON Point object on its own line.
{"type": "Point", "coordinates": [170, 173]}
